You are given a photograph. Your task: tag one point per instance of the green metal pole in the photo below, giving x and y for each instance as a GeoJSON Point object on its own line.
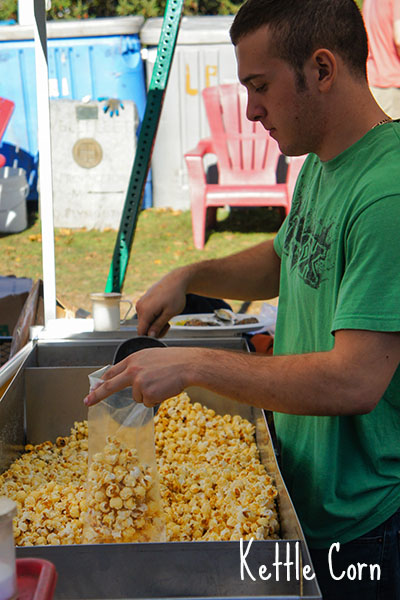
{"type": "Point", "coordinates": [148, 130]}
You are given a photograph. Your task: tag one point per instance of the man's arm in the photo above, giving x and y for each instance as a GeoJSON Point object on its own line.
{"type": "Point", "coordinates": [248, 275]}
{"type": "Point", "coordinates": [348, 380]}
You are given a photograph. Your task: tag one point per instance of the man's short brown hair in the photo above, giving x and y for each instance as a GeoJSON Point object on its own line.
{"type": "Point", "coordinates": [300, 27]}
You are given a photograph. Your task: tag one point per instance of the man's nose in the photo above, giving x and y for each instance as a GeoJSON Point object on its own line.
{"type": "Point", "coordinates": [254, 111]}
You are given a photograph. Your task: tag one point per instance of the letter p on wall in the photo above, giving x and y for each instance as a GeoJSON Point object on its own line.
{"type": "Point", "coordinates": [211, 71]}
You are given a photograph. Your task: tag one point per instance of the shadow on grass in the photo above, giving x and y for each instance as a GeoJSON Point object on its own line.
{"type": "Point", "coordinates": [264, 219]}
{"type": "Point", "coordinates": [33, 215]}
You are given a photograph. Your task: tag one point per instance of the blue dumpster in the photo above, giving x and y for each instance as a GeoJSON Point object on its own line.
{"type": "Point", "coordinates": [88, 60]}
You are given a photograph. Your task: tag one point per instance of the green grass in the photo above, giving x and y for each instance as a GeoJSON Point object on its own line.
{"type": "Point", "coordinates": [163, 240]}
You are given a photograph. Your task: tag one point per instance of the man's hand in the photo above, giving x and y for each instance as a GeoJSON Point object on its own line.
{"type": "Point", "coordinates": [163, 300]}
{"type": "Point", "coordinates": [155, 374]}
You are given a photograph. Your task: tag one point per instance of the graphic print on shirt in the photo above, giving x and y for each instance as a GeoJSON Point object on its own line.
{"type": "Point", "coordinates": [307, 246]}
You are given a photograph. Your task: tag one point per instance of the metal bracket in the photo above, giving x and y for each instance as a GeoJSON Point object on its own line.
{"type": "Point", "coordinates": [148, 130]}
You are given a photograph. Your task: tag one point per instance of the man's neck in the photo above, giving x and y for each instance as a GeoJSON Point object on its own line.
{"type": "Point", "coordinates": [356, 117]}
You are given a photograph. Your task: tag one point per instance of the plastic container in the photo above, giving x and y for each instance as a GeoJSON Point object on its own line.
{"type": "Point", "coordinates": [36, 579]}
{"type": "Point", "coordinates": [93, 58]}
{"type": "Point", "coordinates": [8, 510]}
{"type": "Point", "coordinates": [204, 56]}
{"type": "Point", "coordinates": [13, 193]}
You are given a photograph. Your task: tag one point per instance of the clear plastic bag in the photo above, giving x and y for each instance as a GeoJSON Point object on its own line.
{"type": "Point", "coordinates": [268, 313]}
{"type": "Point", "coordinates": [123, 494]}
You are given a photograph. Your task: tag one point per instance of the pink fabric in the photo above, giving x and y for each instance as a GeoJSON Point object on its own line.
{"type": "Point", "coordinates": [383, 61]}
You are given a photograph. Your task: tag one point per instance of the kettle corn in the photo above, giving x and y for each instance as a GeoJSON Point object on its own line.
{"type": "Point", "coordinates": [212, 483]}
{"type": "Point", "coordinates": [122, 500]}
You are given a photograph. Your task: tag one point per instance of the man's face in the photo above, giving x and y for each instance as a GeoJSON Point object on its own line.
{"type": "Point", "coordinates": [290, 112]}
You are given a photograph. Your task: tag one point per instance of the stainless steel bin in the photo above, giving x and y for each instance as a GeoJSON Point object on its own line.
{"type": "Point", "coordinates": [45, 399]}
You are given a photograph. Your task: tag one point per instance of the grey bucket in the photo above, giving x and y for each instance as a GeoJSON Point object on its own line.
{"type": "Point", "coordinates": [14, 190]}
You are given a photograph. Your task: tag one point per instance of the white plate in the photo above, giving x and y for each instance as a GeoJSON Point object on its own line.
{"type": "Point", "coordinates": [223, 328]}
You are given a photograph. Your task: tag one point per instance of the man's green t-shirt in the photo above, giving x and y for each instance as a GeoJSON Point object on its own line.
{"type": "Point", "coordinates": [340, 269]}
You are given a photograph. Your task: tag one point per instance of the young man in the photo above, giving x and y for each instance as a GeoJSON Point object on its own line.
{"type": "Point", "coordinates": [334, 381]}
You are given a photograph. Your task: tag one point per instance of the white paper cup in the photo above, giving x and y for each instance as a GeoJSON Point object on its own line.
{"type": "Point", "coordinates": [106, 311]}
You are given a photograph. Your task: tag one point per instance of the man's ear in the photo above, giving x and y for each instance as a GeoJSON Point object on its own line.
{"type": "Point", "coordinates": [324, 65]}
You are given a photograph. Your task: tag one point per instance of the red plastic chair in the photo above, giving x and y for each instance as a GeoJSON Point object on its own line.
{"type": "Point", "coordinates": [6, 110]}
{"type": "Point", "coordinates": [247, 159]}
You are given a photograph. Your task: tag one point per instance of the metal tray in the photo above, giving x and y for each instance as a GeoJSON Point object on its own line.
{"type": "Point", "coordinates": [44, 400]}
